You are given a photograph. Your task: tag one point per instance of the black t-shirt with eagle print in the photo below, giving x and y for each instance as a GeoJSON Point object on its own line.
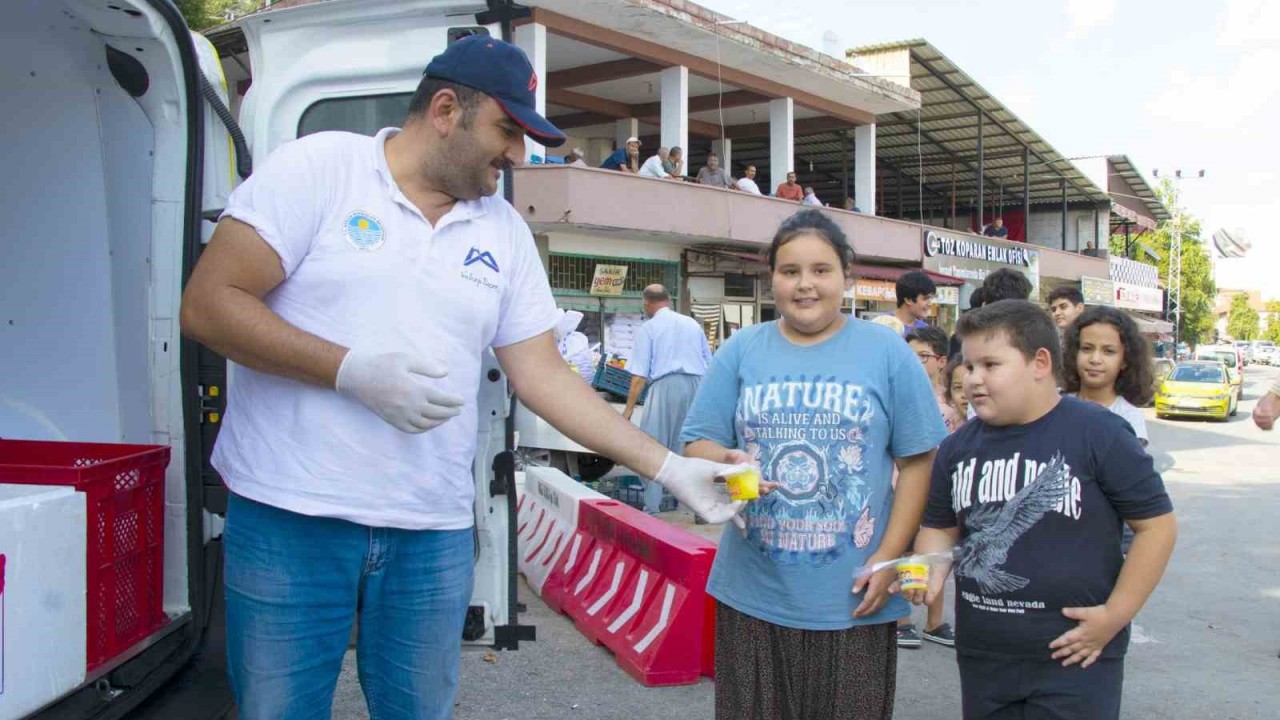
{"type": "Point", "coordinates": [1040, 509]}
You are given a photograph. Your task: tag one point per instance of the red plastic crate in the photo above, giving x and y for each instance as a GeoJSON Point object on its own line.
{"type": "Point", "coordinates": [124, 489]}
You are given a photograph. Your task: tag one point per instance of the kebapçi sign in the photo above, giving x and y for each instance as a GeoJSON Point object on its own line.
{"type": "Point", "coordinates": [972, 259]}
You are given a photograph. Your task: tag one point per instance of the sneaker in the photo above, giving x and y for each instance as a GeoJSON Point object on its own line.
{"type": "Point", "coordinates": [908, 636]}
{"type": "Point", "coordinates": [943, 635]}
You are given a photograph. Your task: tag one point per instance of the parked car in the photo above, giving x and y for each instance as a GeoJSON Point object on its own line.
{"type": "Point", "coordinates": [1245, 350]}
{"type": "Point", "coordinates": [1197, 389]}
{"type": "Point", "coordinates": [1263, 352]}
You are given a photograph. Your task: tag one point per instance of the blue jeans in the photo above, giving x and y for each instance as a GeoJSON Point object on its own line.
{"type": "Point", "coordinates": [295, 583]}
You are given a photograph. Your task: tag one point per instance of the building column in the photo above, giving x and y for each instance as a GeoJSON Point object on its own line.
{"type": "Point", "coordinates": [532, 39]}
{"type": "Point", "coordinates": [724, 149]}
{"type": "Point", "coordinates": [625, 128]}
{"type": "Point", "coordinates": [782, 141]}
{"type": "Point", "coordinates": [864, 168]}
{"type": "Point", "coordinates": [675, 110]}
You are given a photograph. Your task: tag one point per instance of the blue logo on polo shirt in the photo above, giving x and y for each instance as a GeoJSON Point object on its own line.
{"type": "Point", "coordinates": [364, 232]}
{"type": "Point", "coordinates": [485, 258]}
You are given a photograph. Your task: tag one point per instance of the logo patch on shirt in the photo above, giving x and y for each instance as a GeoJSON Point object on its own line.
{"type": "Point", "coordinates": [364, 232]}
{"type": "Point", "coordinates": [483, 257]}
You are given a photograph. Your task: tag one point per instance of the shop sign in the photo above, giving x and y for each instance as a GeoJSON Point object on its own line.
{"type": "Point", "coordinates": [608, 280]}
{"type": "Point", "coordinates": [1097, 291]}
{"type": "Point", "coordinates": [947, 295]}
{"type": "Point", "coordinates": [936, 244]}
{"type": "Point", "coordinates": [875, 290]}
{"type": "Point", "coordinates": [972, 259]}
{"type": "Point", "coordinates": [1137, 297]}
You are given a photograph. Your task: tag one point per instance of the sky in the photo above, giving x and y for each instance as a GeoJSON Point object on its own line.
{"type": "Point", "coordinates": [1192, 88]}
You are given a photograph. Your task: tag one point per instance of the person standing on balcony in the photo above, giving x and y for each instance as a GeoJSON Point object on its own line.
{"type": "Point", "coordinates": [670, 355]}
{"type": "Point", "coordinates": [747, 183]}
{"type": "Point", "coordinates": [790, 190]}
{"type": "Point", "coordinates": [915, 291]}
{"type": "Point", "coordinates": [357, 283]}
{"type": "Point", "coordinates": [625, 158]}
{"type": "Point", "coordinates": [810, 198]}
{"type": "Point", "coordinates": [714, 175]}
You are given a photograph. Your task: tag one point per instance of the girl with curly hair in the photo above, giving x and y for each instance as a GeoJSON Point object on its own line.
{"type": "Point", "coordinates": [1107, 361]}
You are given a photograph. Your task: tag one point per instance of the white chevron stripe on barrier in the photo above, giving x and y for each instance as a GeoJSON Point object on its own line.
{"type": "Point", "coordinates": [591, 573]}
{"type": "Point", "coordinates": [663, 619]}
{"type": "Point", "coordinates": [608, 594]}
{"type": "Point", "coordinates": [636, 601]}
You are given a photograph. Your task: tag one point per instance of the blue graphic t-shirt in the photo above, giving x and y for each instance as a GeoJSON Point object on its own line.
{"type": "Point", "coordinates": [825, 422]}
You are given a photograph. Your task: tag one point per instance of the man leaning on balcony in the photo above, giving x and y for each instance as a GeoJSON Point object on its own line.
{"type": "Point", "coordinates": [714, 175]}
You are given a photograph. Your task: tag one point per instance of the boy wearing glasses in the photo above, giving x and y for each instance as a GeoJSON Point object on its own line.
{"type": "Point", "coordinates": [929, 343]}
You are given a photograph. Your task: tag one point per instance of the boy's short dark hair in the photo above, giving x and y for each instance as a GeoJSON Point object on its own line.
{"type": "Point", "coordinates": [935, 337]}
{"type": "Point", "coordinates": [912, 285]}
{"type": "Point", "coordinates": [1005, 284]}
{"type": "Point", "coordinates": [1028, 327]}
{"type": "Point", "coordinates": [977, 298]}
{"type": "Point", "coordinates": [1070, 293]}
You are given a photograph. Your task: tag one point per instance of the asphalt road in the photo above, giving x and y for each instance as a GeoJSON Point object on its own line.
{"type": "Point", "coordinates": [1205, 646]}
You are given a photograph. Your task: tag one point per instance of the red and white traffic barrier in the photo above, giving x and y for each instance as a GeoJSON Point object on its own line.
{"type": "Point", "coordinates": [546, 518]}
{"type": "Point", "coordinates": [637, 585]}
{"type": "Point", "coordinates": [629, 581]}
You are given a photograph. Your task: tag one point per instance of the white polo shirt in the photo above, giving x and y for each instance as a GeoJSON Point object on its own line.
{"type": "Point", "coordinates": [363, 268]}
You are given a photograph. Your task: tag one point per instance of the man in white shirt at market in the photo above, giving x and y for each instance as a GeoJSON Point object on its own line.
{"type": "Point", "coordinates": [670, 354]}
{"type": "Point", "coordinates": [357, 282]}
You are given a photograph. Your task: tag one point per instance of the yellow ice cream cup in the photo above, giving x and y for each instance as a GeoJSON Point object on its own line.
{"type": "Point", "coordinates": [744, 484]}
{"type": "Point", "coordinates": [913, 575]}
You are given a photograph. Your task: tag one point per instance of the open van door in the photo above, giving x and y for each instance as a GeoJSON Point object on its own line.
{"type": "Point", "coordinates": [353, 66]}
{"type": "Point", "coordinates": [115, 149]}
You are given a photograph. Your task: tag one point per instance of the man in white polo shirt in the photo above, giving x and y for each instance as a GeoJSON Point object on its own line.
{"type": "Point", "coordinates": [356, 282]}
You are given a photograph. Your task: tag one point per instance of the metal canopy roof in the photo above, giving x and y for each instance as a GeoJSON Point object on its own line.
{"type": "Point", "coordinates": [939, 145]}
{"type": "Point", "coordinates": [1138, 186]}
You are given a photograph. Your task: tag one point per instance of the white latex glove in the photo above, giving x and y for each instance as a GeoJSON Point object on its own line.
{"type": "Point", "coordinates": [397, 388]}
{"type": "Point", "coordinates": [693, 482]}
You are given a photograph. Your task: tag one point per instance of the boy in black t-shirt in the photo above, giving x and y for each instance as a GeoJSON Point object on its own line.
{"type": "Point", "coordinates": [1035, 494]}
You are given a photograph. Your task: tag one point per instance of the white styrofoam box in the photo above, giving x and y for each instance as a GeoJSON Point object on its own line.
{"type": "Point", "coordinates": [42, 600]}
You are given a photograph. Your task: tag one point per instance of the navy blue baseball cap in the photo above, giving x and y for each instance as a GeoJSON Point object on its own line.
{"type": "Point", "coordinates": [501, 71]}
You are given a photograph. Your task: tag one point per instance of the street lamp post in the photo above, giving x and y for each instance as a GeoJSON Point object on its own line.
{"type": "Point", "coordinates": [1173, 306]}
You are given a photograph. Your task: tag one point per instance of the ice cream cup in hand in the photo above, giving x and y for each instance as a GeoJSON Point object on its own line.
{"type": "Point", "coordinates": [913, 575]}
{"type": "Point", "coordinates": [743, 484]}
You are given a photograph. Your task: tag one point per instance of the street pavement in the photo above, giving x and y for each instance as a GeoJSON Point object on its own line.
{"type": "Point", "coordinates": [1205, 646]}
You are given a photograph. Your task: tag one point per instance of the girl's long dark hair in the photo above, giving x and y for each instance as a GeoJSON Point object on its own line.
{"type": "Point", "coordinates": [1135, 379]}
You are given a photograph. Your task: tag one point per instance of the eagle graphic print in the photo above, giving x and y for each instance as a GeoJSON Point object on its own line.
{"type": "Point", "coordinates": [993, 529]}
{"type": "Point", "coordinates": [809, 435]}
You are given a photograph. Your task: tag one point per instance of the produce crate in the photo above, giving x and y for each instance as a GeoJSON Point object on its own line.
{"type": "Point", "coordinates": [615, 381]}
{"type": "Point", "coordinates": [630, 490]}
{"type": "Point", "coordinates": [124, 494]}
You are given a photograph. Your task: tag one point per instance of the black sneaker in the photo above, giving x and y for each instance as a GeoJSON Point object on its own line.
{"type": "Point", "coordinates": [908, 636]}
{"type": "Point", "coordinates": [943, 635]}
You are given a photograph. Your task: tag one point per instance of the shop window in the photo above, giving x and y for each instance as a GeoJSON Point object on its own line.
{"type": "Point", "coordinates": [572, 274]}
{"type": "Point", "coordinates": [739, 285]}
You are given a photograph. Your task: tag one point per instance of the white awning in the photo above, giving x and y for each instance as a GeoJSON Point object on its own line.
{"type": "Point", "coordinates": [1150, 326]}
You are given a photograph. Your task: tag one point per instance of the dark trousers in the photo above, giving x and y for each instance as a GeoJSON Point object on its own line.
{"type": "Point", "coordinates": [1014, 689]}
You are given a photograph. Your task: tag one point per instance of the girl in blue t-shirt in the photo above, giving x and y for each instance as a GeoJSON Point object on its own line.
{"type": "Point", "coordinates": [825, 405]}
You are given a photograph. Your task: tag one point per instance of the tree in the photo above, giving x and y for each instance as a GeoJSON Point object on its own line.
{"type": "Point", "coordinates": [201, 14]}
{"type": "Point", "coordinates": [1272, 332]}
{"type": "Point", "coordinates": [1242, 320]}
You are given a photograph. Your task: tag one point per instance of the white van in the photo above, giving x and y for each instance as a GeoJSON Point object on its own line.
{"type": "Point", "coordinates": [121, 152]}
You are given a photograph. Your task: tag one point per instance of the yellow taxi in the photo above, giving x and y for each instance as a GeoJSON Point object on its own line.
{"type": "Point", "coordinates": [1197, 389]}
